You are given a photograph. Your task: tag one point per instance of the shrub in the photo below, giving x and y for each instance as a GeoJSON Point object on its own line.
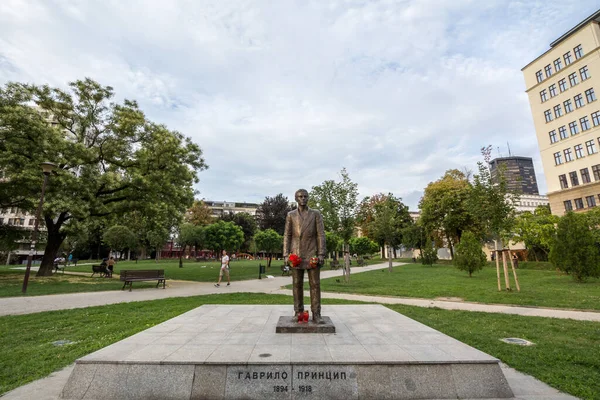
{"type": "Point", "coordinates": [468, 256]}
{"type": "Point", "coordinates": [429, 253]}
{"type": "Point", "coordinates": [574, 249]}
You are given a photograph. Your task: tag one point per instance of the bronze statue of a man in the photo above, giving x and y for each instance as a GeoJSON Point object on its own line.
{"type": "Point", "coordinates": [304, 236]}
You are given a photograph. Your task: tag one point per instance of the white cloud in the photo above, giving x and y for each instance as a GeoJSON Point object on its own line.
{"type": "Point", "coordinates": [284, 94]}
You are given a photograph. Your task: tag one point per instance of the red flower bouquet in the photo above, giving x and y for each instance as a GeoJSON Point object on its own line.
{"type": "Point", "coordinates": [314, 262]}
{"type": "Point", "coordinates": [294, 260]}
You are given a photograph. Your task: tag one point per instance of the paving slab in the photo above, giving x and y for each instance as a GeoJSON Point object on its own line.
{"type": "Point", "coordinates": [229, 343]}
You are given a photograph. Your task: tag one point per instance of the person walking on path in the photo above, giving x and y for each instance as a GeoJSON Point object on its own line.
{"type": "Point", "coordinates": [224, 269]}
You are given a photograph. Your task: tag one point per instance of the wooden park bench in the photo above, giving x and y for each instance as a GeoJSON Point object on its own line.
{"type": "Point", "coordinates": [334, 264]}
{"type": "Point", "coordinates": [136, 275]}
{"type": "Point", "coordinates": [100, 269]}
{"type": "Point", "coordinates": [60, 266]}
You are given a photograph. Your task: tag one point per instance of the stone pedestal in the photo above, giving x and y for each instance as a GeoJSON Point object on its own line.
{"type": "Point", "coordinates": [288, 324]}
{"type": "Point", "coordinates": [230, 352]}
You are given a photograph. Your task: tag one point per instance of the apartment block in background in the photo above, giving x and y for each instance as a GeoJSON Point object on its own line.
{"type": "Point", "coordinates": [562, 85]}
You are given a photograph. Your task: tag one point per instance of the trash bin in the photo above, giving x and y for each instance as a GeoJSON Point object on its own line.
{"type": "Point", "coordinates": [261, 270]}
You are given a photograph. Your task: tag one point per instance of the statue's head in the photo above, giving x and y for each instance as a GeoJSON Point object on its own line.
{"type": "Point", "coordinates": [301, 197]}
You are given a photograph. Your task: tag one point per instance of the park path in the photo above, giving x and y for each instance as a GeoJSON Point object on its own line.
{"type": "Point", "coordinates": [34, 304]}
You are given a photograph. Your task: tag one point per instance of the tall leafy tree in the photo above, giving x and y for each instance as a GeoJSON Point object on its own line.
{"type": "Point", "coordinates": [536, 230]}
{"type": "Point", "coordinates": [390, 217]}
{"type": "Point", "coordinates": [363, 245]}
{"type": "Point", "coordinates": [119, 238]}
{"type": "Point", "coordinates": [247, 223]}
{"type": "Point", "coordinates": [111, 159]}
{"type": "Point", "coordinates": [270, 242]}
{"type": "Point", "coordinates": [189, 235]}
{"type": "Point", "coordinates": [223, 236]}
{"type": "Point", "coordinates": [271, 213]}
{"type": "Point", "coordinates": [444, 207]}
{"type": "Point", "coordinates": [333, 243]}
{"type": "Point", "coordinates": [199, 214]}
{"type": "Point", "coordinates": [491, 204]}
{"type": "Point", "coordinates": [574, 249]}
{"type": "Point", "coordinates": [338, 203]}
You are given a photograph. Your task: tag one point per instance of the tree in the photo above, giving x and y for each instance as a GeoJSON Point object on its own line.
{"type": "Point", "coordinates": [199, 214]}
{"type": "Point", "coordinates": [429, 253]}
{"type": "Point", "coordinates": [332, 243]}
{"type": "Point", "coordinates": [272, 212]}
{"type": "Point", "coordinates": [574, 249]}
{"type": "Point", "coordinates": [469, 256]}
{"type": "Point", "coordinates": [492, 204]}
{"type": "Point", "coordinates": [189, 235]}
{"type": "Point", "coordinates": [111, 159]}
{"type": "Point", "coordinates": [223, 236]}
{"type": "Point", "coordinates": [337, 202]}
{"type": "Point", "coordinates": [413, 236]}
{"type": "Point", "coordinates": [270, 242]}
{"type": "Point", "coordinates": [363, 245]}
{"type": "Point", "coordinates": [247, 223]}
{"type": "Point", "coordinates": [536, 230]}
{"type": "Point", "coordinates": [390, 216]}
{"type": "Point", "coordinates": [119, 238]}
{"type": "Point", "coordinates": [444, 207]}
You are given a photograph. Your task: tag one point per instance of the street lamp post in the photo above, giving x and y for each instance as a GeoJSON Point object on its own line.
{"type": "Point", "coordinates": [47, 168]}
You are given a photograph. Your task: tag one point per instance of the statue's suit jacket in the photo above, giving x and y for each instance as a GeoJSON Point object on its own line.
{"type": "Point", "coordinates": [304, 236]}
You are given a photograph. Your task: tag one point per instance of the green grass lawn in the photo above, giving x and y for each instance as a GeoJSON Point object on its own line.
{"type": "Point", "coordinates": [11, 283]}
{"type": "Point", "coordinates": [566, 354]}
{"type": "Point", "coordinates": [202, 271]}
{"type": "Point", "coordinates": [539, 287]}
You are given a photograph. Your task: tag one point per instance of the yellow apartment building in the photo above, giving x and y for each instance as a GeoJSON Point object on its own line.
{"type": "Point", "coordinates": [563, 85]}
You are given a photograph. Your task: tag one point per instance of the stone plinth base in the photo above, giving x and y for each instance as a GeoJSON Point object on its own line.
{"type": "Point", "coordinates": [230, 352]}
{"type": "Point", "coordinates": [291, 325]}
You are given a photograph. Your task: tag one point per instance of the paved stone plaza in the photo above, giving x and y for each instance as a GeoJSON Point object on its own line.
{"type": "Point", "coordinates": [229, 351]}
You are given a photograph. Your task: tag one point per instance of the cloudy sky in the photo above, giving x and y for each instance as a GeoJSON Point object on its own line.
{"type": "Point", "coordinates": [284, 94]}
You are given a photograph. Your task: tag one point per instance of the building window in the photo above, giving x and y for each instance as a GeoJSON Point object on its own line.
{"type": "Point", "coordinates": [578, 101]}
{"type": "Point", "coordinates": [562, 131]}
{"type": "Point", "coordinates": [585, 123]}
{"type": "Point", "coordinates": [578, 204]}
{"type": "Point", "coordinates": [591, 201]}
{"type": "Point", "coordinates": [568, 106]}
{"type": "Point", "coordinates": [548, 115]}
{"type": "Point", "coordinates": [544, 95]}
{"type": "Point", "coordinates": [558, 110]}
{"type": "Point", "coordinates": [585, 175]}
{"type": "Point", "coordinates": [578, 52]}
{"type": "Point", "coordinates": [596, 118]}
{"type": "Point", "coordinates": [567, 58]}
{"type": "Point", "coordinates": [539, 76]}
{"type": "Point", "coordinates": [552, 89]}
{"type": "Point", "coordinates": [558, 158]}
{"type": "Point", "coordinates": [548, 70]}
{"type": "Point", "coordinates": [590, 95]}
{"type": "Point", "coordinates": [31, 221]}
{"type": "Point", "coordinates": [563, 181]}
{"type": "Point", "coordinates": [573, 128]}
{"type": "Point", "coordinates": [562, 85]}
{"type": "Point", "coordinates": [596, 172]}
{"type": "Point", "coordinates": [568, 205]}
{"type": "Point", "coordinates": [579, 151]}
{"type": "Point", "coordinates": [568, 154]}
{"type": "Point", "coordinates": [585, 74]}
{"type": "Point", "coordinates": [574, 178]}
{"type": "Point", "coordinates": [552, 135]}
{"type": "Point", "coordinates": [573, 79]}
{"type": "Point", "coordinates": [591, 147]}
{"type": "Point", "coordinates": [557, 64]}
